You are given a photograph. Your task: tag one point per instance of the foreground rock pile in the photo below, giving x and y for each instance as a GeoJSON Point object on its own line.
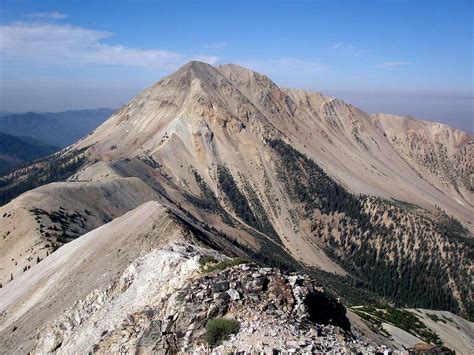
{"type": "Point", "coordinates": [276, 312]}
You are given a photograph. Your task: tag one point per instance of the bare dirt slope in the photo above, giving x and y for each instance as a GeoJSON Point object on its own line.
{"type": "Point", "coordinates": [440, 154]}
{"type": "Point", "coordinates": [202, 116]}
{"type": "Point", "coordinates": [456, 332]}
{"type": "Point", "coordinates": [39, 221]}
{"type": "Point", "coordinates": [92, 261]}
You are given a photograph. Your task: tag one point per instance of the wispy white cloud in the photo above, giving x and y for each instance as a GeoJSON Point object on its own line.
{"type": "Point", "coordinates": [55, 15]}
{"type": "Point", "coordinates": [348, 49]}
{"type": "Point", "coordinates": [285, 65]}
{"type": "Point", "coordinates": [61, 44]}
{"type": "Point", "coordinates": [392, 64]}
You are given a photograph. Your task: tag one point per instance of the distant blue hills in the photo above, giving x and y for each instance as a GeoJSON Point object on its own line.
{"type": "Point", "coordinates": [28, 136]}
{"type": "Point", "coordinates": [54, 128]}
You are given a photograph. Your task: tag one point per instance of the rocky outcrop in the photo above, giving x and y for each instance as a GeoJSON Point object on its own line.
{"type": "Point", "coordinates": [149, 280]}
{"type": "Point", "coordinates": [275, 311]}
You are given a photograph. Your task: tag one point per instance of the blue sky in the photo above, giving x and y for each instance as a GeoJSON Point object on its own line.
{"type": "Point", "coordinates": [404, 57]}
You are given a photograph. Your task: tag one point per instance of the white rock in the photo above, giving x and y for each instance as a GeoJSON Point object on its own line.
{"type": "Point", "coordinates": [244, 267]}
{"type": "Point", "coordinates": [234, 294]}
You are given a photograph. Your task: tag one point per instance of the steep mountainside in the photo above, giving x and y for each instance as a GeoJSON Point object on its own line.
{"type": "Point", "coordinates": [17, 150]}
{"type": "Point", "coordinates": [440, 154]}
{"type": "Point", "coordinates": [294, 179]}
{"type": "Point", "coordinates": [55, 128]}
{"type": "Point", "coordinates": [40, 221]}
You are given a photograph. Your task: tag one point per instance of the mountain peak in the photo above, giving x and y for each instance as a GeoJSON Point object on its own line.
{"type": "Point", "coordinates": [196, 66]}
{"type": "Point", "coordinates": [192, 70]}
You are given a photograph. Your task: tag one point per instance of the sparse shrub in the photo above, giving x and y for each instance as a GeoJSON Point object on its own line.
{"type": "Point", "coordinates": [235, 197]}
{"type": "Point", "coordinates": [208, 259]}
{"type": "Point", "coordinates": [219, 329]}
{"type": "Point", "coordinates": [213, 265]}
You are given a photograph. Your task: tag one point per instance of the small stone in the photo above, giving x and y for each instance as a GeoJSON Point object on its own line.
{"type": "Point", "coordinates": [213, 311]}
{"type": "Point", "coordinates": [244, 267]}
{"type": "Point", "coordinates": [220, 286]}
{"type": "Point", "coordinates": [234, 294]}
{"type": "Point", "coordinates": [224, 296]}
{"type": "Point", "coordinates": [292, 280]}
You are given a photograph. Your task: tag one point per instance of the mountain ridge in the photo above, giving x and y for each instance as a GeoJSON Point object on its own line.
{"type": "Point", "coordinates": [310, 181]}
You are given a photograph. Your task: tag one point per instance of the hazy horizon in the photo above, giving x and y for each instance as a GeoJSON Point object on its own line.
{"type": "Point", "coordinates": [405, 58]}
{"type": "Point", "coordinates": [435, 107]}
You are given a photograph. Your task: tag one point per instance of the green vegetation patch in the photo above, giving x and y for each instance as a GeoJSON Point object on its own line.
{"type": "Point", "coordinates": [371, 249]}
{"type": "Point", "coordinates": [264, 224]}
{"type": "Point", "coordinates": [455, 231]}
{"type": "Point", "coordinates": [256, 217]}
{"type": "Point", "coordinates": [207, 200]}
{"type": "Point", "coordinates": [402, 204]}
{"type": "Point", "coordinates": [235, 197]}
{"type": "Point", "coordinates": [352, 290]}
{"type": "Point", "coordinates": [400, 318]}
{"type": "Point", "coordinates": [210, 264]}
{"type": "Point", "coordinates": [435, 318]}
{"type": "Point", "coordinates": [219, 329]}
{"type": "Point", "coordinates": [310, 185]}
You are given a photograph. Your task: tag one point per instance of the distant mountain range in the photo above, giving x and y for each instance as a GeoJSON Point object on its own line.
{"type": "Point", "coordinates": [17, 150]}
{"type": "Point", "coordinates": [58, 129]}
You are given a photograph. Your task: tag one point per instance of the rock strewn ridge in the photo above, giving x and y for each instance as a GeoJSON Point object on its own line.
{"type": "Point", "coordinates": [275, 311]}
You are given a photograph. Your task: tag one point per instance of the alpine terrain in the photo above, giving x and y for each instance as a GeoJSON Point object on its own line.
{"type": "Point", "coordinates": [218, 210]}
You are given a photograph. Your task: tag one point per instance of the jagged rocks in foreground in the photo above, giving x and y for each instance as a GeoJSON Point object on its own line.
{"type": "Point", "coordinates": [274, 311]}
